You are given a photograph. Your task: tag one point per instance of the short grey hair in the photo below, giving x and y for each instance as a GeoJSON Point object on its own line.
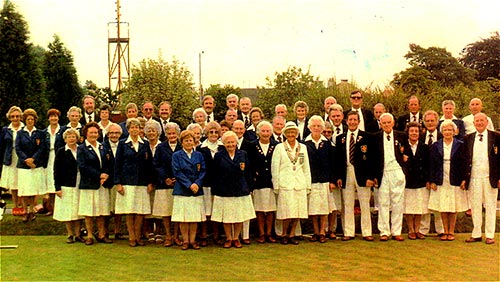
{"type": "Point", "coordinates": [71, 131]}
{"type": "Point", "coordinates": [316, 118]}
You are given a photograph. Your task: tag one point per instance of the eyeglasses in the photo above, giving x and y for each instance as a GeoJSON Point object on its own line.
{"type": "Point", "coordinates": [327, 131]}
{"type": "Point", "coordinates": [213, 131]}
{"type": "Point", "coordinates": [148, 110]}
{"type": "Point", "coordinates": [16, 116]}
{"type": "Point", "coordinates": [356, 98]}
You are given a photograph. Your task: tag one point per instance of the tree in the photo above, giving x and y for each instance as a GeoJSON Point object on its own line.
{"type": "Point", "coordinates": [60, 75]}
{"type": "Point", "coordinates": [289, 87]}
{"type": "Point", "coordinates": [158, 81]}
{"type": "Point", "coordinates": [443, 67]}
{"type": "Point", "coordinates": [21, 80]}
{"type": "Point", "coordinates": [101, 95]}
{"type": "Point", "coordinates": [483, 56]}
{"type": "Point", "coordinates": [415, 81]}
{"type": "Point", "coordinates": [220, 93]}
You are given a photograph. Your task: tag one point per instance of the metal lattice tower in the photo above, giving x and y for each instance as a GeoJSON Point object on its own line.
{"type": "Point", "coordinates": [118, 52]}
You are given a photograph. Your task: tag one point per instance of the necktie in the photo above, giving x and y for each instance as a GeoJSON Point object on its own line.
{"type": "Point", "coordinates": [279, 139]}
{"type": "Point", "coordinates": [388, 137]}
{"type": "Point", "coordinates": [415, 118]}
{"type": "Point", "coordinates": [338, 130]}
{"type": "Point", "coordinates": [430, 140]}
{"type": "Point", "coordinates": [247, 122]}
{"type": "Point", "coordinates": [351, 149]}
{"type": "Point", "coordinates": [480, 137]}
{"type": "Point", "coordinates": [208, 118]}
{"type": "Point", "coordinates": [90, 118]}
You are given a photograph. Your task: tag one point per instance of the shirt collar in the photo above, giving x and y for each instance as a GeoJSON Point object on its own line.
{"type": "Point", "coordinates": [322, 138]}
{"type": "Point", "coordinates": [129, 139]}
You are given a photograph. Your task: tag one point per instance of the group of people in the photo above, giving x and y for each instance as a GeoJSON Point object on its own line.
{"type": "Point", "coordinates": [220, 175]}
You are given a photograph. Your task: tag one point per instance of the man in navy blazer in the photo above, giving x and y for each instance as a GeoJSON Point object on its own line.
{"type": "Point", "coordinates": [390, 173]}
{"type": "Point", "coordinates": [355, 174]}
{"type": "Point", "coordinates": [365, 115]}
{"type": "Point", "coordinates": [413, 114]}
{"type": "Point", "coordinates": [483, 177]}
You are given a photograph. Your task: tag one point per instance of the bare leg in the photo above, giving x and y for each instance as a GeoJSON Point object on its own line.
{"type": "Point", "coordinates": [261, 222]}
{"type": "Point", "coordinates": [315, 221]}
{"type": "Point", "coordinates": [410, 221]}
{"type": "Point", "coordinates": [138, 220]}
{"type": "Point", "coordinates": [130, 227]}
{"type": "Point", "coordinates": [184, 226]}
{"type": "Point", "coordinates": [237, 230]}
{"type": "Point", "coordinates": [69, 228]}
{"type": "Point", "coordinates": [417, 220]}
{"type": "Point", "coordinates": [293, 226]}
{"type": "Point", "coordinates": [322, 224]}
{"type": "Point", "coordinates": [269, 223]}
{"type": "Point", "coordinates": [89, 224]}
{"type": "Point", "coordinates": [446, 224]}
{"type": "Point", "coordinates": [166, 224]}
{"type": "Point", "coordinates": [76, 227]}
{"type": "Point", "coordinates": [228, 229]}
{"type": "Point", "coordinates": [118, 223]}
{"type": "Point", "coordinates": [16, 200]}
{"type": "Point", "coordinates": [192, 232]}
{"type": "Point", "coordinates": [452, 219]}
{"type": "Point", "coordinates": [101, 228]}
{"type": "Point", "coordinates": [286, 224]}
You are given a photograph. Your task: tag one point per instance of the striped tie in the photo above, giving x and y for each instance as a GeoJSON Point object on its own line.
{"type": "Point", "coordinates": [351, 149]}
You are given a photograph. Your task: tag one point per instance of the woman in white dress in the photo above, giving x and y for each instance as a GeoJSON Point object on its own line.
{"type": "Point", "coordinates": [66, 179]}
{"type": "Point", "coordinates": [447, 178]}
{"type": "Point", "coordinates": [32, 152]}
{"type": "Point", "coordinates": [9, 173]}
{"type": "Point", "coordinates": [292, 181]}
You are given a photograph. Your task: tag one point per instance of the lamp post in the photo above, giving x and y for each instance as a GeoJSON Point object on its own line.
{"type": "Point", "coordinates": [199, 73]}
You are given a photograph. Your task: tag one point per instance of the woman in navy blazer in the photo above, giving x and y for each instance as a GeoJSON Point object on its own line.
{"type": "Point", "coordinates": [417, 181]}
{"type": "Point", "coordinates": [66, 177]}
{"type": "Point", "coordinates": [208, 148]}
{"type": "Point", "coordinates": [448, 107]}
{"type": "Point", "coordinates": [232, 200]}
{"type": "Point", "coordinates": [447, 178]}
{"type": "Point", "coordinates": [8, 154]}
{"type": "Point", "coordinates": [188, 166]}
{"type": "Point", "coordinates": [32, 152]}
{"type": "Point", "coordinates": [134, 180]}
{"type": "Point", "coordinates": [54, 141]}
{"type": "Point", "coordinates": [260, 154]}
{"type": "Point", "coordinates": [93, 163]}
{"type": "Point", "coordinates": [162, 162]}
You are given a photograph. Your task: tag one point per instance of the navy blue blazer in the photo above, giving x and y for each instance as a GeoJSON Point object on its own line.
{"type": "Point", "coordinates": [493, 156]}
{"type": "Point", "coordinates": [111, 165]}
{"type": "Point", "coordinates": [405, 119]}
{"type": "Point", "coordinates": [131, 167]}
{"type": "Point", "coordinates": [418, 166]}
{"type": "Point", "coordinates": [123, 125]}
{"type": "Point", "coordinates": [33, 146]}
{"type": "Point", "coordinates": [90, 167]}
{"type": "Point", "coordinates": [320, 161]}
{"type": "Point", "coordinates": [235, 177]}
{"type": "Point", "coordinates": [400, 142]}
{"type": "Point", "coordinates": [162, 163]}
{"type": "Point", "coordinates": [59, 138]}
{"type": "Point", "coordinates": [261, 164]}
{"type": "Point", "coordinates": [6, 145]}
{"type": "Point", "coordinates": [302, 137]}
{"type": "Point", "coordinates": [364, 158]}
{"type": "Point", "coordinates": [457, 163]}
{"type": "Point", "coordinates": [65, 127]}
{"type": "Point", "coordinates": [210, 174]}
{"type": "Point", "coordinates": [188, 171]}
{"type": "Point", "coordinates": [65, 169]}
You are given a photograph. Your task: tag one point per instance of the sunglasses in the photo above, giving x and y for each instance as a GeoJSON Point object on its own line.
{"type": "Point", "coordinates": [357, 98]}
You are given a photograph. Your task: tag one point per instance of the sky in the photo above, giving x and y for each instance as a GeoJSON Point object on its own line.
{"type": "Point", "coordinates": [243, 42]}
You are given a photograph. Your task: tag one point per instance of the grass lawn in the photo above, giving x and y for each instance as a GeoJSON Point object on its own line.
{"type": "Point", "coordinates": [49, 258]}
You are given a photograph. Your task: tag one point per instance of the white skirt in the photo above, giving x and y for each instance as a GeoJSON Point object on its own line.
{"type": "Point", "coordinates": [292, 204]}
{"type": "Point", "coordinates": [233, 209]}
{"type": "Point", "coordinates": [66, 206]}
{"type": "Point", "coordinates": [264, 200]}
{"type": "Point", "coordinates": [318, 199]}
{"type": "Point", "coordinates": [208, 200]}
{"type": "Point", "coordinates": [188, 209]}
{"type": "Point", "coordinates": [49, 174]}
{"type": "Point", "coordinates": [10, 172]}
{"type": "Point", "coordinates": [448, 198]}
{"type": "Point", "coordinates": [335, 200]}
{"type": "Point", "coordinates": [163, 202]}
{"type": "Point", "coordinates": [31, 182]}
{"type": "Point", "coordinates": [134, 201]}
{"type": "Point", "coordinates": [416, 201]}
{"type": "Point", "coordinates": [94, 202]}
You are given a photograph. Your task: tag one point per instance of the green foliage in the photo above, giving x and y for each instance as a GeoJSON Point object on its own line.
{"type": "Point", "coordinates": [483, 56]}
{"type": "Point", "coordinates": [101, 95]}
{"type": "Point", "coordinates": [21, 80]}
{"type": "Point", "coordinates": [220, 93]}
{"type": "Point", "coordinates": [61, 79]}
{"type": "Point", "coordinates": [432, 64]}
{"type": "Point", "coordinates": [157, 81]}
{"type": "Point", "coordinates": [289, 87]}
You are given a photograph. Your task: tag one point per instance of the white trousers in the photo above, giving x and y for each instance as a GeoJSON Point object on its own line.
{"type": "Point", "coordinates": [349, 194]}
{"type": "Point", "coordinates": [481, 192]}
{"type": "Point", "coordinates": [391, 198]}
{"type": "Point", "coordinates": [425, 223]}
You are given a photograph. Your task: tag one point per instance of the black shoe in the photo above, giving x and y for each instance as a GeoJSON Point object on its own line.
{"type": "Point", "coordinates": [294, 241]}
{"type": "Point", "coordinates": [284, 240]}
{"type": "Point", "coordinates": [79, 239]}
{"type": "Point", "coordinates": [70, 239]}
{"type": "Point", "coordinates": [119, 236]}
